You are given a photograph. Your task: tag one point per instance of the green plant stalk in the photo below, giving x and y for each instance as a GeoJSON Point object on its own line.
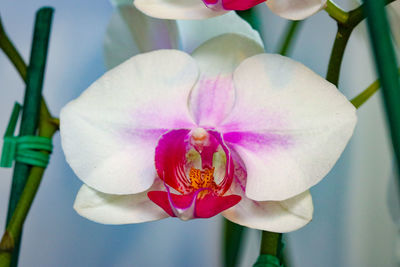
{"type": "Point", "coordinates": [289, 36]}
{"type": "Point", "coordinates": [9, 241]}
{"type": "Point", "coordinates": [387, 69]}
{"type": "Point", "coordinates": [11, 52]}
{"type": "Point", "coordinates": [336, 12]}
{"type": "Point", "coordinates": [335, 62]}
{"type": "Point", "coordinates": [271, 243]}
{"type": "Point", "coordinates": [233, 237]}
{"type": "Point", "coordinates": [7, 46]}
{"type": "Point", "coordinates": [360, 99]}
{"type": "Point", "coordinates": [270, 250]}
{"type": "Point", "coordinates": [347, 21]}
{"type": "Point", "coordinates": [32, 103]}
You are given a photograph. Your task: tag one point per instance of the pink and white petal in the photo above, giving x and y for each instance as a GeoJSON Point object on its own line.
{"type": "Point", "coordinates": [109, 133]}
{"type": "Point", "coordinates": [124, 38]}
{"type": "Point", "coordinates": [274, 216]}
{"type": "Point", "coordinates": [296, 9]}
{"type": "Point", "coordinates": [193, 35]}
{"type": "Point", "coordinates": [288, 125]}
{"type": "Point", "coordinates": [213, 96]}
{"type": "Point", "coordinates": [117, 209]}
{"type": "Point", "coordinates": [177, 9]}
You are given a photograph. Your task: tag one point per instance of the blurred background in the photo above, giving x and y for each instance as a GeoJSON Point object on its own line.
{"type": "Point", "coordinates": [351, 226]}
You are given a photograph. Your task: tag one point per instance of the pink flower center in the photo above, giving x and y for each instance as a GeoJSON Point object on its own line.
{"type": "Point", "coordinates": [198, 166]}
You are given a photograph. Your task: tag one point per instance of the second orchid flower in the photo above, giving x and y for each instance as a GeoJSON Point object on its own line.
{"type": "Point", "coordinates": [201, 9]}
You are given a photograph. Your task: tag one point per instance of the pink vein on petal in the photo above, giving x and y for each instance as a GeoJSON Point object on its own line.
{"type": "Point", "coordinates": [255, 141]}
{"type": "Point", "coordinates": [212, 99]}
{"type": "Point", "coordinates": [145, 134]}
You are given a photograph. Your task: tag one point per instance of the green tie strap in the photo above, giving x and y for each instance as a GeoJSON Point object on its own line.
{"type": "Point", "coordinates": [25, 149]}
{"type": "Point", "coordinates": [266, 260]}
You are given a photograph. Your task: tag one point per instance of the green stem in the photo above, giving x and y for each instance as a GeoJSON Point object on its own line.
{"type": "Point", "coordinates": [31, 108]}
{"type": "Point", "coordinates": [290, 35]}
{"type": "Point", "coordinates": [16, 59]}
{"type": "Point", "coordinates": [337, 53]}
{"type": "Point", "coordinates": [270, 243]}
{"type": "Point", "coordinates": [386, 65]}
{"type": "Point", "coordinates": [336, 12]}
{"type": "Point", "coordinates": [346, 21]}
{"type": "Point", "coordinates": [9, 49]}
{"type": "Point", "coordinates": [47, 128]}
{"type": "Point", "coordinates": [270, 250]}
{"type": "Point", "coordinates": [350, 19]}
{"type": "Point", "coordinates": [360, 99]}
{"type": "Point", "coordinates": [233, 236]}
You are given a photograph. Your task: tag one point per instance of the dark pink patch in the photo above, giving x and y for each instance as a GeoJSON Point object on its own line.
{"type": "Point", "coordinates": [240, 4]}
{"type": "Point", "coordinates": [206, 207]}
{"type": "Point", "coordinates": [170, 158]}
{"type": "Point", "coordinates": [229, 168]}
{"type": "Point", "coordinates": [212, 205]}
{"type": "Point", "coordinates": [210, 2]}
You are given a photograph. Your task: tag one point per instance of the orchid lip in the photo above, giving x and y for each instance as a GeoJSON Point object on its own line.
{"type": "Point", "coordinates": [197, 165]}
{"type": "Point", "coordinates": [185, 213]}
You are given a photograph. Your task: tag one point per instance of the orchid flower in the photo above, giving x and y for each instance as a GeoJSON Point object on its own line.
{"type": "Point", "coordinates": [228, 129]}
{"type": "Point", "coordinates": [124, 39]}
{"type": "Point", "coordinates": [200, 9]}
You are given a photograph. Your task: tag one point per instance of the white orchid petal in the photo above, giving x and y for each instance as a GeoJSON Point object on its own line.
{"type": "Point", "coordinates": [212, 98]}
{"type": "Point", "coordinates": [117, 209]}
{"type": "Point", "coordinates": [288, 125]}
{"type": "Point", "coordinates": [296, 9]}
{"type": "Point", "coordinates": [110, 132]}
{"type": "Point", "coordinates": [177, 9]}
{"type": "Point", "coordinates": [274, 216]}
{"type": "Point", "coordinates": [131, 32]}
{"type": "Point", "coordinates": [194, 33]}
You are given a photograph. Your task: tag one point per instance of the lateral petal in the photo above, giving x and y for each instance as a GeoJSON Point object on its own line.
{"type": "Point", "coordinates": [288, 125]}
{"type": "Point", "coordinates": [274, 216]}
{"type": "Point", "coordinates": [109, 134]}
{"type": "Point", "coordinates": [117, 209]}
